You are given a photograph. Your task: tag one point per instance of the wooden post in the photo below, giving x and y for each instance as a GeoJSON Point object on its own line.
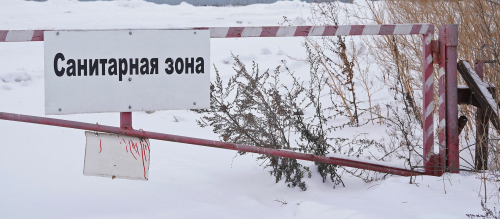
{"type": "Point", "coordinates": [488, 105]}
{"type": "Point", "coordinates": [481, 158]}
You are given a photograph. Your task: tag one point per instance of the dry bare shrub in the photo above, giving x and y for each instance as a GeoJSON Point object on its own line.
{"type": "Point", "coordinates": [400, 60]}
{"type": "Point", "coordinates": [479, 37]}
{"type": "Point", "coordinates": [256, 108]}
{"type": "Point", "coordinates": [404, 123]}
{"type": "Point", "coordinates": [275, 109]}
{"type": "Point", "coordinates": [345, 62]}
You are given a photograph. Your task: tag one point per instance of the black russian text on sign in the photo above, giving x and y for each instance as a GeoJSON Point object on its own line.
{"type": "Point", "coordinates": [124, 66]}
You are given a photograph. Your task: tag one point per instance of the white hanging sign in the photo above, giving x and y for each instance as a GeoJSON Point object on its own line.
{"type": "Point", "coordinates": [116, 156]}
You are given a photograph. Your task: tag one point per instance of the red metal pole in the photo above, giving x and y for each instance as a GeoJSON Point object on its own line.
{"type": "Point", "coordinates": [209, 143]}
{"type": "Point", "coordinates": [428, 104]}
{"type": "Point", "coordinates": [451, 40]}
{"type": "Point", "coordinates": [442, 99]}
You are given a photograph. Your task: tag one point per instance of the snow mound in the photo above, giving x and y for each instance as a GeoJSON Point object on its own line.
{"type": "Point", "coordinates": [265, 51]}
{"type": "Point", "coordinates": [21, 76]}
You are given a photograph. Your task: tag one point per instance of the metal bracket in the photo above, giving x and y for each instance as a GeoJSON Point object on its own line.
{"type": "Point", "coordinates": [126, 120]}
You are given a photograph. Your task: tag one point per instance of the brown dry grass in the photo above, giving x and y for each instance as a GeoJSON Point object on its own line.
{"type": "Point", "coordinates": [479, 38]}
{"type": "Point", "coordinates": [400, 56]}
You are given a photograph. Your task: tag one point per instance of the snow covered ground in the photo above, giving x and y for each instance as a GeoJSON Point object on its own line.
{"type": "Point", "coordinates": [41, 166]}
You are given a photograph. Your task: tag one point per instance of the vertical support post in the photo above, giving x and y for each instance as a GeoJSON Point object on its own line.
{"type": "Point", "coordinates": [126, 120]}
{"type": "Point", "coordinates": [481, 156]}
{"type": "Point", "coordinates": [452, 143]}
{"type": "Point", "coordinates": [428, 104]}
{"type": "Point", "coordinates": [442, 99]}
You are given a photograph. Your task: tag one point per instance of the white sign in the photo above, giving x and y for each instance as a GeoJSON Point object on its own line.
{"type": "Point", "coordinates": [126, 70]}
{"type": "Point", "coordinates": [116, 156]}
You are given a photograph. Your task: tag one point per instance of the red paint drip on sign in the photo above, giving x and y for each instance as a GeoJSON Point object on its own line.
{"type": "Point", "coordinates": [133, 148]}
{"type": "Point", "coordinates": [144, 147]}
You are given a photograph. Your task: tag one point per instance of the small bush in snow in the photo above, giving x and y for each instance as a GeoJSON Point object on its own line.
{"type": "Point", "coordinates": [257, 108]}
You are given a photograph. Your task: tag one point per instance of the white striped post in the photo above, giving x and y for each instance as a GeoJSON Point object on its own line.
{"type": "Point", "coordinates": [428, 103]}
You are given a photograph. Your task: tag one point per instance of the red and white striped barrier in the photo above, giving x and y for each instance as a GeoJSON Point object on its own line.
{"type": "Point", "coordinates": [21, 35]}
{"type": "Point", "coordinates": [344, 30]}
{"type": "Point", "coordinates": [270, 31]}
{"type": "Point", "coordinates": [426, 30]}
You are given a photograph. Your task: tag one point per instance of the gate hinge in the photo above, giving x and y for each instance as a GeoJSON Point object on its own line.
{"type": "Point", "coordinates": [435, 51]}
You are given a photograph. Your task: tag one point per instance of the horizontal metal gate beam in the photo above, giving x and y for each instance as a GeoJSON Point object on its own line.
{"type": "Point", "coordinates": [209, 143]}
{"type": "Point", "coordinates": [263, 31]}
